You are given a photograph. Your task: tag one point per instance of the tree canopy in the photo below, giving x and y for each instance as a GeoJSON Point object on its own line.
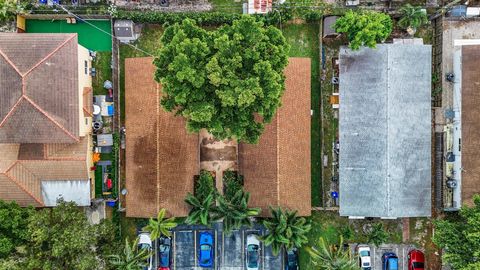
{"type": "Point", "coordinates": [62, 238]}
{"type": "Point", "coordinates": [328, 256]}
{"type": "Point", "coordinates": [54, 238]}
{"type": "Point", "coordinates": [459, 237]}
{"type": "Point", "coordinates": [229, 81]}
{"type": "Point", "coordinates": [285, 229]}
{"type": "Point", "coordinates": [13, 227]}
{"type": "Point", "coordinates": [412, 16]}
{"type": "Point", "coordinates": [364, 28]}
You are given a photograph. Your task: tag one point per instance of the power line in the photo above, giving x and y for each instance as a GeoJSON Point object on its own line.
{"type": "Point", "coordinates": [103, 31]}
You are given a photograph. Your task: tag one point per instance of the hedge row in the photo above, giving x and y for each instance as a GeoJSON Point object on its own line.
{"type": "Point", "coordinates": [202, 18]}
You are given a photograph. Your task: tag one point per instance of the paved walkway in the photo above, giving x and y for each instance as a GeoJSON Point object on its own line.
{"type": "Point", "coordinates": [217, 156]}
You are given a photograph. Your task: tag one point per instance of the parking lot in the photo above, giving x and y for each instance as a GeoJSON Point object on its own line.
{"type": "Point", "coordinates": [229, 249]}
{"type": "Point", "coordinates": [376, 253]}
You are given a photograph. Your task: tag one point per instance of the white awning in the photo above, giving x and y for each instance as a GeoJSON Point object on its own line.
{"type": "Point", "coordinates": [77, 191]}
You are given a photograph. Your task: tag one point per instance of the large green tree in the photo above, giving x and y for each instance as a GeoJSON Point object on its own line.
{"type": "Point", "coordinates": [327, 256]}
{"type": "Point", "coordinates": [364, 28]}
{"type": "Point", "coordinates": [62, 238]}
{"type": "Point", "coordinates": [228, 81]}
{"type": "Point", "coordinates": [285, 229]}
{"type": "Point", "coordinates": [459, 237]}
{"type": "Point", "coordinates": [13, 227]}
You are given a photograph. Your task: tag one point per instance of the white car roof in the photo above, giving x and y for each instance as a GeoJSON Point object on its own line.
{"type": "Point", "coordinates": [253, 239]}
{"type": "Point", "coordinates": [144, 238]}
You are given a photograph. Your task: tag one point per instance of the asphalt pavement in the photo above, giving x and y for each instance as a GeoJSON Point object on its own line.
{"type": "Point", "coordinates": [229, 249]}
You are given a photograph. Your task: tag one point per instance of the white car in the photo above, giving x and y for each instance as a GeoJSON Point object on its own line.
{"type": "Point", "coordinates": [252, 254]}
{"type": "Point", "coordinates": [145, 242]}
{"type": "Point", "coordinates": [364, 257]}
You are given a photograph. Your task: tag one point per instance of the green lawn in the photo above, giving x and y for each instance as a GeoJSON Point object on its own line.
{"type": "Point", "coordinates": [303, 39]}
{"type": "Point", "coordinates": [98, 182]}
{"type": "Point", "coordinates": [88, 36]}
{"type": "Point", "coordinates": [102, 64]}
{"type": "Point", "coordinates": [230, 6]}
{"type": "Point", "coordinates": [149, 41]}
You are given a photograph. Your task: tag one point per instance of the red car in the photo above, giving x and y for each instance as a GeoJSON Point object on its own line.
{"type": "Point", "coordinates": [416, 260]}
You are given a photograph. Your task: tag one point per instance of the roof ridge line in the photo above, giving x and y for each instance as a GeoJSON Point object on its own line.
{"type": "Point", "coordinates": [277, 151]}
{"type": "Point", "coordinates": [157, 95]}
{"type": "Point", "coordinates": [50, 118]}
{"type": "Point", "coordinates": [14, 180]}
{"type": "Point", "coordinates": [12, 110]}
{"type": "Point", "coordinates": [48, 55]}
{"type": "Point", "coordinates": [10, 62]}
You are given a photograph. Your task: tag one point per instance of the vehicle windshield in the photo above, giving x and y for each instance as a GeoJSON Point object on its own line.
{"type": "Point", "coordinates": [205, 247]}
{"type": "Point", "coordinates": [364, 253]}
{"type": "Point", "coordinates": [164, 248]}
{"type": "Point", "coordinates": [252, 256]}
{"type": "Point", "coordinates": [418, 265]}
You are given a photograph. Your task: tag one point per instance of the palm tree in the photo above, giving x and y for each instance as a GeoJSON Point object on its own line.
{"type": "Point", "coordinates": [235, 211]}
{"type": "Point", "coordinates": [331, 257]}
{"type": "Point", "coordinates": [412, 18]}
{"type": "Point", "coordinates": [132, 258]}
{"type": "Point", "coordinates": [285, 229]}
{"type": "Point", "coordinates": [202, 210]}
{"type": "Point", "coordinates": [161, 226]}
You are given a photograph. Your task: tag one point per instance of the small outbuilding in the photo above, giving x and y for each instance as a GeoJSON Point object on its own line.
{"type": "Point", "coordinates": [328, 29]}
{"type": "Point", "coordinates": [125, 30]}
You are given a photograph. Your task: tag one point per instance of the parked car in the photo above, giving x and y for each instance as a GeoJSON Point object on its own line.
{"type": "Point", "coordinates": [253, 252]}
{"type": "Point", "coordinates": [291, 259]}
{"type": "Point", "coordinates": [389, 261]}
{"type": "Point", "coordinates": [164, 253]}
{"type": "Point", "coordinates": [364, 258]}
{"type": "Point", "coordinates": [145, 242]}
{"type": "Point", "coordinates": [205, 253]}
{"type": "Point", "coordinates": [416, 260]}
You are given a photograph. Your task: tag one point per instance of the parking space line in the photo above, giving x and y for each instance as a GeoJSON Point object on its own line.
{"type": "Point", "coordinates": [243, 249]}
{"type": "Point", "coordinates": [195, 247]}
{"type": "Point", "coordinates": [373, 261]}
{"type": "Point", "coordinates": [174, 251]}
{"type": "Point", "coordinates": [223, 249]}
{"type": "Point", "coordinates": [215, 257]}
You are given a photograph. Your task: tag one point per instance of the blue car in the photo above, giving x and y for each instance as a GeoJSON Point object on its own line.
{"type": "Point", "coordinates": [389, 261]}
{"type": "Point", "coordinates": [205, 253]}
{"type": "Point", "coordinates": [164, 252]}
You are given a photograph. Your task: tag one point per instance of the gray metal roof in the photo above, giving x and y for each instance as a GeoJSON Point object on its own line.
{"type": "Point", "coordinates": [385, 131]}
{"type": "Point", "coordinates": [77, 191]}
{"type": "Point", "coordinates": [123, 28]}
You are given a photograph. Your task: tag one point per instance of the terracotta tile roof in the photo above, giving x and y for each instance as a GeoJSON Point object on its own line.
{"type": "Point", "coordinates": [470, 123]}
{"type": "Point", "coordinates": [38, 88]}
{"type": "Point", "coordinates": [277, 170]}
{"type": "Point", "coordinates": [161, 158]}
{"type": "Point", "coordinates": [24, 166]}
